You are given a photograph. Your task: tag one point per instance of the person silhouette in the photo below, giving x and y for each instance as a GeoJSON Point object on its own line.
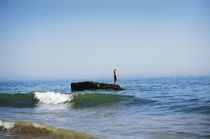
{"type": "Point", "coordinates": [115, 76]}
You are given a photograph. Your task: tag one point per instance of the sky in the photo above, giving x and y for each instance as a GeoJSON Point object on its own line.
{"type": "Point", "coordinates": [65, 39]}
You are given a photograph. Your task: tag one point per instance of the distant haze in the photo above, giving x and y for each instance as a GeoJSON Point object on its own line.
{"type": "Point", "coordinates": [64, 39]}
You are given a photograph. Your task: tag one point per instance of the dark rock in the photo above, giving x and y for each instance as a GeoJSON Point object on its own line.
{"type": "Point", "coordinates": [89, 85]}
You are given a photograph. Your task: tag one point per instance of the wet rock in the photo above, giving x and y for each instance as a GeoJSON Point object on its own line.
{"type": "Point", "coordinates": [89, 85]}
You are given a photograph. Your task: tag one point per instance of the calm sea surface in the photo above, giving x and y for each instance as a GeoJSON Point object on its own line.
{"type": "Point", "coordinates": [148, 108]}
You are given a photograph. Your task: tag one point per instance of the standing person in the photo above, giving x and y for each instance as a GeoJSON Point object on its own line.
{"type": "Point", "coordinates": [115, 76]}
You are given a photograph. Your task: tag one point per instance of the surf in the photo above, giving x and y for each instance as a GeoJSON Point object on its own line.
{"type": "Point", "coordinates": [19, 129]}
{"type": "Point", "coordinates": [52, 97]}
{"type": "Point", "coordinates": [73, 100]}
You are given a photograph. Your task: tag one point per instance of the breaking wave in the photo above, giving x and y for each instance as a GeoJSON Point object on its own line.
{"type": "Point", "coordinates": [52, 97]}
{"type": "Point", "coordinates": [75, 100]}
{"type": "Point", "coordinates": [25, 130]}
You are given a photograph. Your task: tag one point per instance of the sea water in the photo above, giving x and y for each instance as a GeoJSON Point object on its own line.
{"type": "Point", "coordinates": [147, 108]}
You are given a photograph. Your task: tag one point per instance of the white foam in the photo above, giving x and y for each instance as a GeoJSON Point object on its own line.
{"type": "Point", "coordinates": [38, 125]}
{"type": "Point", "coordinates": [52, 97]}
{"type": "Point", "coordinates": [7, 125]}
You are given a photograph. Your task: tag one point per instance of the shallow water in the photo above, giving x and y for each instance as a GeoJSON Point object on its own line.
{"type": "Point", "coordinates": [148, 108]}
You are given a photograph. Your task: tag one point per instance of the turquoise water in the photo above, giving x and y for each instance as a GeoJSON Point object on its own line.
{"type": "Point", "coordinates": [148, 108]}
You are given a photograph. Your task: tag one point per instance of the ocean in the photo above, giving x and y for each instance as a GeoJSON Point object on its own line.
{"type": "Point", "coordinates": [160, 108]}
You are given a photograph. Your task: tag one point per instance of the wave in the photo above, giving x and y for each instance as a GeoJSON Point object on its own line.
{"type": "Point", "coordinates": [17, 100]}
{"type": "Point", "coordinates": [95, 99]}
{"type": "Point", "coordinates": [75, 100]}
{"type": "Point", "coordinates": [18, 129]}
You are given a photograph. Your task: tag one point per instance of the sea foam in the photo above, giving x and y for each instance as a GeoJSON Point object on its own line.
{"type": "Point", "coordinates": [7, 125]}
{"type": "Point", "coordinates": [52, 97]}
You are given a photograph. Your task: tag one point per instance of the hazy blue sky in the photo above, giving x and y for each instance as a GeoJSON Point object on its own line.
{"type": "Point", "coordinates": [64, 39]}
